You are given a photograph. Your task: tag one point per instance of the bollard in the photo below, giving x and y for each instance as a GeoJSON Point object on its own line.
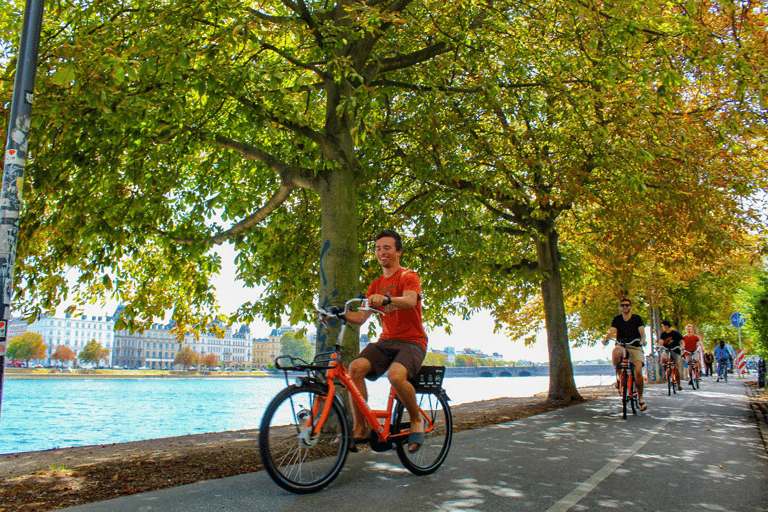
{"type": "Point", "coordinates": [761, 373]}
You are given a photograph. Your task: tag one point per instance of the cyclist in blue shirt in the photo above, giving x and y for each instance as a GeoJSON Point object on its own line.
{"type": "Point", "coordinates": [722, 357]}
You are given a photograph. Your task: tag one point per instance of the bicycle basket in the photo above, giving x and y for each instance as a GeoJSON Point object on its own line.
{"type": "Point", "coordinates": [430, 378]}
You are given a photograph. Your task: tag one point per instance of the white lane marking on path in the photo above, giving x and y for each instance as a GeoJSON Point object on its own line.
{"type": "Point", "coordinates": [612, 465]}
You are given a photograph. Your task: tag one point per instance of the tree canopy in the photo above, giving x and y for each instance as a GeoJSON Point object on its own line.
{"type": "Point", "coordinates": [27, 346]}
{"type": "Point", "coordinates": [186, 357]}
{"type": "Point", "coordinates": [93, 352]}
{"type": "Point", "coordinates": [64, 354]}
{"type": "Point", "coordinates": [208, 360]}
{"type": "Point", "coordinates": [525, 150]}
{"type": "Point", "coordinates": [297, 346]}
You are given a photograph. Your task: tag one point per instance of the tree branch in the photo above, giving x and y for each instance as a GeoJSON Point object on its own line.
{"type": "Point", "coordinates": [278, 198]}
{"type": "Point", "coordinates": [411, 59]}
{"type": "Point", "coordinates": [290, 175]}
{"type": "Point", "coordinates": [293, 61]}
{"type": "Point", "coordinates": [304, 131]}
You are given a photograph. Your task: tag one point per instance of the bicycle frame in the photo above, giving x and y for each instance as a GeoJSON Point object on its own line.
{"type": "Point", "coordinates": [337, 370]}
{"type": "Point", "coordinates": [671, 372]}
{"type": "Point", "coordinates": [625, 372]}
{"type": "Point", "coordinates": [694, 360]}
{"type": "Point", "coordinates": [374, 417]}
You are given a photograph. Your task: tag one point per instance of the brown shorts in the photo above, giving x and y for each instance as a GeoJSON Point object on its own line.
{"type": "Point", "coordinates": [385, 352]}
{"type": "Point", "coordinates": [635, 355]}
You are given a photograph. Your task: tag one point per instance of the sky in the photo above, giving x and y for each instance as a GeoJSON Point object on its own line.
{"type": "Point", "coordinates": [475, 333]}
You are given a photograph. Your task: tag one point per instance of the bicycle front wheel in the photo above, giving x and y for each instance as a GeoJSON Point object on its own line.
{"type": "Point", "coordinates": [296, 458]}
{"type": "Point", "coordinates": [434, 449]}
{"type": "Point", "coordinates": [624, 393]}
{"type": "Point", "coordinates": [669, 382]}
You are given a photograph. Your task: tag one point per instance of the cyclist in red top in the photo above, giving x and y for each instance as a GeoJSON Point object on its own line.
{"type": "Point", "coordinates": [402, 346]}
{"type": "Point", "coordinates": [692, 344]}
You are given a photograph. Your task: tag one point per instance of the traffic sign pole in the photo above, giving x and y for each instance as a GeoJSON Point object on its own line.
{"type": "Point", "coordinates": [15, 162]}
{"type": "Point", "coordinates": [738, 320]}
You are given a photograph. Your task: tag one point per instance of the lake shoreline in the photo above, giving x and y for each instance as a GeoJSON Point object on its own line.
{"type": "Point", "coordinates": [131, 374]}
{"type": "Point", "coordinates": [49, 479]}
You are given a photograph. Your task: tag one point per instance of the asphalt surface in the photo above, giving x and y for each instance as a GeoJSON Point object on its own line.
{"type": "Point", "coordinates": [693, 451]}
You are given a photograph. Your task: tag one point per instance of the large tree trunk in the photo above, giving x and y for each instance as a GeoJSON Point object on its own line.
{"type": "Point", "coordinates": [339, 255]}
{"type": "Point", "coordinates": [561, 383]}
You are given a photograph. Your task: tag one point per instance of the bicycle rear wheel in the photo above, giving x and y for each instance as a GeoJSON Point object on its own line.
{"type": "Point", "coordinates": [297, 459]}
{"type": "Point", "coordinates": [434, 449]}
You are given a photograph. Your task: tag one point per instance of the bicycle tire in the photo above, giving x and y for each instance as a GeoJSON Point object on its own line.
{"type": "Point", "coordinates": [295, 460]}
{"type": "Point", "coordinates": [633, 395]}
{"type": "Point", "coordinates": [675, 381]}
{"type": "Point", "coordinates": [624, 393]}
{"type": "Point", "coordinates": [669, 382]}
{"type": "Point", "coordinates": [434, 450]}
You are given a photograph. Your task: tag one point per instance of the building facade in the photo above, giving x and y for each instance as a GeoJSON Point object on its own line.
{"type": "Point", "coordinates": [156, 348]}
{"type": "Point", "coordinates": [75, 333]}
{"type": "Point", "coordinates": [265, 350]}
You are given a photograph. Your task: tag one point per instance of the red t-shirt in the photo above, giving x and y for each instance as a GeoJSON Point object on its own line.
{"type": "Point", "coordinates": [690, 341]}
{"type": "Point", "coordinates": [401, 324]}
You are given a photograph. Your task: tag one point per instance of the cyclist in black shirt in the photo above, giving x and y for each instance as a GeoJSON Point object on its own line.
{"type": "Point", "coordinates": [672, 340]}
{"type": "Point", "coordinates": [629, 327]}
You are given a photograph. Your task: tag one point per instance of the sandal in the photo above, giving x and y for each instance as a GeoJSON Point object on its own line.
{"type": "Point", "coordinates": [642, 406]}
{"type": "Point", "coordinates": [416, 438]}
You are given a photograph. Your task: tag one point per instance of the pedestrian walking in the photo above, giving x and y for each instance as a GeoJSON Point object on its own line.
{"type": "Point", "coordinates": [709, 361]}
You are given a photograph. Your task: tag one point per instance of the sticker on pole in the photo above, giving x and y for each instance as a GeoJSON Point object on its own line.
{"type": "Point", "coordinates": [738, 320]}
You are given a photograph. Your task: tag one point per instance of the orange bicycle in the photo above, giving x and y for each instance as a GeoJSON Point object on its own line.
{"type": "Point", "coordinates": [625, 373]}
{"type": "Point", "coordinates": [670, 372]}
{"type": "Point", "coordinates": [693, 370]}
{"type": "Point", "coordinates": [306, 431]}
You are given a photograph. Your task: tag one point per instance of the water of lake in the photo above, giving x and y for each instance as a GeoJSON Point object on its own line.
{"type": "Point", "coordinates": [58, 413]}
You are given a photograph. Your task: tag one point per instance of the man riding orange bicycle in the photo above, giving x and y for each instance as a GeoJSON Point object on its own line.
{"type": "Point", "coordinates": [693, 351]}
{"type": "Point", "coordinates": [629, 327]}
{"type": "Point", "coordinates": [402, 346]}
{"type": "Point", "coordinates": [672, 340]}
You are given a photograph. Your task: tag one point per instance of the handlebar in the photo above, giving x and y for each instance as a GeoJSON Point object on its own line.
{"type": "Point", "coordinates": [634, 343]}
{"type": "Point", "coordinates": [669, 350]}
{"type": "Point", "coordinates": [335, 311]}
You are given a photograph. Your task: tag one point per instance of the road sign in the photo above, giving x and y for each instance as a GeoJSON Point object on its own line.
{"type": "Point", "coordinates": [738, 320]}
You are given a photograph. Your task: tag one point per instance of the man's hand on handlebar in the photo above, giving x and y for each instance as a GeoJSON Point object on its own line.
{"type": "Point", "coordinates": [356, 317]}
{"type": "Point", "coordinates": [378, 301]}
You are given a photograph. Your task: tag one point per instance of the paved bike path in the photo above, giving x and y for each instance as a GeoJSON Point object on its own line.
{"type": "Point", "coordinates": [697, 450]}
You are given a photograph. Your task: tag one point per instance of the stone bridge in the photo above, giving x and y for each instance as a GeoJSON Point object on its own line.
{"type": "Point", "coordinates": [524, 371]}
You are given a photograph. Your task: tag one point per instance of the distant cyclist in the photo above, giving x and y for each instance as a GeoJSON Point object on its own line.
{"type": "Point", "coordinates": [672, 340]}
{"type": "Point", "coordinates": [723, 358]}
{"type": "Point", "coordinates": [629, 327]}
{"type": "Point", "coordinates": [693, 348]}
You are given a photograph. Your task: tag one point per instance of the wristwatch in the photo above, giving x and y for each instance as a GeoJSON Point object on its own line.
{"type": "Point", "coordinates": [387, 301]}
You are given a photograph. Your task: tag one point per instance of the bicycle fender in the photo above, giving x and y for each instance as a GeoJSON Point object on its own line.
{"type": "Point", "coordinates": [311, 383]}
